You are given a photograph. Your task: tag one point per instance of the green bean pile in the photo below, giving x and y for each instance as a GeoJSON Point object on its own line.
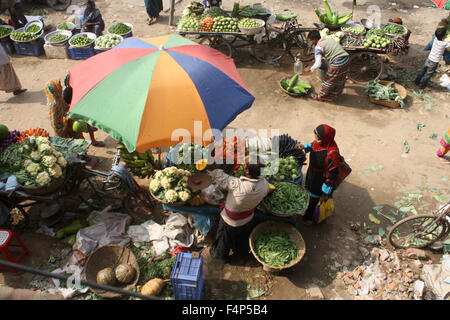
{"type": "Point", "coordinates": [287, 198]}
{"type": "Point", "coordinates": [58, 38]}
{"type": "Point", "coordinates": [276, 248]}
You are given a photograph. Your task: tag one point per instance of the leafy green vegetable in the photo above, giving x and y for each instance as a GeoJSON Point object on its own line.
{"type": "Point", "coordinates": [68, 146]}
{"type": "Point", "coordinates": [393, 29]}
{"type": "Point", "coordinates": [380, 92]}
{"type": "Point", "coordinates": [276, 248]}
{"type": "Point", "coordinates": [287, 198]}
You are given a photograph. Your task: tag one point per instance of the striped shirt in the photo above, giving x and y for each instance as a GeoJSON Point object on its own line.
{"type": "Point", "coordinates": [437, 51]}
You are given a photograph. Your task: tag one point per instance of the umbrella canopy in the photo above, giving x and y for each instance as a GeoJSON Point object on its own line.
{"type": "Point", "coordinates": [144, 89]}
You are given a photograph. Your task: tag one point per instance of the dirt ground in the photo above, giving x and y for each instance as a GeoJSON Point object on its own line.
{"type": "Point", "coordinates": [369, 136]}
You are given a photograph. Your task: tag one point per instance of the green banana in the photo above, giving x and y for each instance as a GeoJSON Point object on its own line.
{"type": "Point", "coordinates": [321, 16]}
{"type": "Point", "coordinates": [328, 10]}
{"type": "Point", "coordinates": [334, 20]}
{"type": "Point", "coordinates": [344, 19]}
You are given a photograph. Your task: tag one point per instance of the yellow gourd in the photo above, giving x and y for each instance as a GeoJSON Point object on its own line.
{"type": "Point", "coordinates": [152, 287]}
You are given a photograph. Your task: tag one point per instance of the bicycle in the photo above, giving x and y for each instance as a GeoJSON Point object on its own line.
{"type": "Point", "coordinates": [421, 231]}
{"type": "Point", "coordinates": [81, 184]}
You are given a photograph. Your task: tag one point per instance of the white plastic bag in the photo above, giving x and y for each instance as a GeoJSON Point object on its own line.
{"type": "Point", "coordinates": [445, 81]}
{"type": "Point", "coordinates": [212, 195]}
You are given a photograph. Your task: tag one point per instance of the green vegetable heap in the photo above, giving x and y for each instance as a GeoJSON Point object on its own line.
{"type": "Point", "coordinates": [250, 12]}
{"type": "Point", "coordinates": [214, 12]}
{"type": "Point", "coordinates": [287, 168]}
{"type": "Point", "coordinates": [64, 26]}
{"type": "Point", "coordinates": [286, 198]}
{"type": "Point", "coordinates": [353, 30]}
{"type": "Point", "coordinates": [276, 248]}
{"type": "Point", "coordinates": [332, 18]}
{"type": "Point", "coordinates": [248, 23]}
{"type": "Point", "coordinates": [225, 24]}
{"type": "Point", "coordinates": [58, 38]}
{"type": "Point", "coordinates": [188, 23]}
{"type": "Point", "coordinates": [393, 29]}
{"type": "Point", "coordinates": [33, 29]}
{"type": "Point", "coordinates": [35, 162]}
{"type": "Point", "coordinates": [377, 42]}
{"type": "Point", "coordinates": [381, 92]}
{"type": "Point", "coordinates": [120, 29]}
{"type": "Point", "coordinates": [69, 146]}
{"type": "Point", "coordinates": [4, 31]}
{"type": "Point", "coordinates": [81, 41]}
{"type": "Point", "coordinates": [23, 36]}
{"type": "Point", "coordinates": [108, 41]}
{"type": "Point", "coordinates": [170, 185]}
{"type": "Point", "coordinates": [140, 163]}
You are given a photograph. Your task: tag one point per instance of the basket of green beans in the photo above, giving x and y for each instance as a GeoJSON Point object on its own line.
{"type": "Point", "coordinates": [287, 199]}
{"type": "Point", "coordinates": [277, 245]}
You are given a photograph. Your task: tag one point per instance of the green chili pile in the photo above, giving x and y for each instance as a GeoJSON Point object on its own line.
{"type": "Point", "coordinates": [276, 248]}
{"type": "Point", "coordinates": [287, 198]}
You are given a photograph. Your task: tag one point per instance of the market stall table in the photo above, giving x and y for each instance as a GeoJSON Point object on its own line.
{"type": "Point", "coordinates": [213, 211]}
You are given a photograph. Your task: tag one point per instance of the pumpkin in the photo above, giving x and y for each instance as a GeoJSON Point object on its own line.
{"type": "Point", "coordinates": [152, 287]}
{"type": "Point", "coordinates": [106, 277]}
{"type": "Point", "coordinates": [125, 273]}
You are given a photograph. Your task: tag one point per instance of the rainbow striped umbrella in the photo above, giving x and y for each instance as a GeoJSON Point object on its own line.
{"type": "Point", "coordinates": [144, 89]}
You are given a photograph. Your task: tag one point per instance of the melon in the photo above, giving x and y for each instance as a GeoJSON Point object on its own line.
{"type": "Point", "coordinates": [125, 273]}
{"type": "Point", "coordinates": [3, 131]}
{"type": "Point", "coordinates": [106, 276]}
{"type": "Point", "coordinates": [79, 126]}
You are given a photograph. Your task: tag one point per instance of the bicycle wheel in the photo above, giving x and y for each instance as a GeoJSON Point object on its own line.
{"type": "Point", "coordinates": [303, 48]}
{"type": "Point", "coordinates": [417, 231]}
{"type": "Point", "coordinates": [217, 43]}
{"type": "Point", "coordinates": [138, 205]}
{"type": "Point", "coordinates": [270, 52]}
{"type": "Point", "coordinates": [365, 66]}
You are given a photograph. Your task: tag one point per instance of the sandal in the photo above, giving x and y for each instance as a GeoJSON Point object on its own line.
{"type": "Point", "coordinates": [19, 91]}
{"type": "Point", "coordinates": [98, 144]}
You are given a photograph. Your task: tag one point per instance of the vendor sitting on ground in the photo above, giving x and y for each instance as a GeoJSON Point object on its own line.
{"type": "Point", "coordinates": [338, 63]}
{"type": "Point", "coordinates": [92, 19]}
{"type": "Point", "coordinates": [235, 224]}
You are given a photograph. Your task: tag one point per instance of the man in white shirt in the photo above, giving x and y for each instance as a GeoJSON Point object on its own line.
{"type": "Point", "coordinates": [235, 225]}
{"type": "Point", "coordinates": [436, 54]}
{"type": "Point", "coordinates": [9, 82]}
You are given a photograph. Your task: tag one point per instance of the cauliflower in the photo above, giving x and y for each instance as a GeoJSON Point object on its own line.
{"type": "Point", "coordinates": [185, 179]}
{"type": "Point", "coordinates": [184, 195]}
{"type": "Point", "coordinates": [45, 149]}
{"type": "Point", "coordinates": [158, 174]}
{"type": "Point", "coordinates": [155, 185]}
{"type": "Point", "coordinates": [55, 171]}
{"type": "Point", "coordinates": [36, 156]}
{"type": "Point", "coordinates": [27, 162]}
{"type": "Point", "coordinates": [62, 162]}
{"type": "Point", "coordinates": [171, 170]}
{"type": "Point", "coordinates": [171, 196]}
{"type": "Point", "coordinates": [43, 179]}
{"type": "Point", "coordinates": [57, 154]}
{"type": "Point", "coordinates": [48, 161]}
{"type": "Point", "coordinates": [42, 140]}
{"type": "Point", "coordinates": [31, 140]}
{"type": "Point", "coordinates": [33, 168]}
{"type": "Point", "coordinates": [165, 182]}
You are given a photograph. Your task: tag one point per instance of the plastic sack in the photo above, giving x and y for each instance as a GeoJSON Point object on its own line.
{"type": "Point", "coordinates": [445, 81]}
{"type": "Point", "coordinates": [212, 195]}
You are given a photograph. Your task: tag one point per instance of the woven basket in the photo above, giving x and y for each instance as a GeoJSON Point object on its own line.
{"type": "Point", "coordinates": [56, 184]}
{"type": "Point", "coordinates": [174, 204]}
{"type": "Point", "coordinates": [281, 214]}
{"type": "Point", "coordinates": [110, 256]}
{"type": "Point", "coordinates": [391, 103]}
{"type": "Point", "coordinates": [270, 226]}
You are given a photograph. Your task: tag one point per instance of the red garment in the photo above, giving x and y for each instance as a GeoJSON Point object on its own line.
{"type": "Point", "coordinates": [440, 3]}
{"type": "Point", "coordinates": [237, 215]}
{"type": "Point", "coordinates": [329, 144]}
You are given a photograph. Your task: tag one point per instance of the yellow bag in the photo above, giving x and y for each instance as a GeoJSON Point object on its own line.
{"type": "Point", "coordinates": [324, 209]}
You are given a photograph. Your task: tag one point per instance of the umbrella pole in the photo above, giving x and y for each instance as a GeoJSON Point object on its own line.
{"type": "Point", "coordinates": [353, 9]}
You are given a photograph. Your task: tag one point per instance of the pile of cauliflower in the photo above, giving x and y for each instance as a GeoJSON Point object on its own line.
{"type": "Point", "coordinates": [42, 164]}
{"type": "Point", "coordinates": [170, 185]}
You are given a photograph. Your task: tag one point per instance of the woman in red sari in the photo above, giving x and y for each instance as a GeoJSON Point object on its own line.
{"type": "Point", "coordinates": [323, 166]}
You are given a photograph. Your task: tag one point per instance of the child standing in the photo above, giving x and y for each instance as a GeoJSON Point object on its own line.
{"type": "Point", "coordinates": [436, 54]}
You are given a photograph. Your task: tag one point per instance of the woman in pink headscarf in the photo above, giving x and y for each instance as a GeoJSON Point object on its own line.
{"type": "Point", "coordinates": [323, 166]}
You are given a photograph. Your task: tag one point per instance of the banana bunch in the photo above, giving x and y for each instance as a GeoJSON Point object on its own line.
{"type": "Point", "coordinates": [332, 18]}
{"type": "Point", "coordinates": [197, 200]}
{"type": "Point", "coordinates": [140, 164]}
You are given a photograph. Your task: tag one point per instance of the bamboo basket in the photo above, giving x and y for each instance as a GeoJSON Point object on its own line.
{"type": "Point", "coordinates": [110, 256]}
{"type": "Point", "coordinates": [391, 103]}
{"type": "Point", "coordinates": [174, 204]}
{"type": "Point", "coordinates": [270, 226]}
{"type": "Point", "coordinates": [55, 185]}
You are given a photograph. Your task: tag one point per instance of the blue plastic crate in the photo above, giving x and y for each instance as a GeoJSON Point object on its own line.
{"type": "Point", "coordinates": [34, 48]}
{"type": "Point", "coordinates": [187, 277]}
{"type": "Point", "coordinates": [8, 45]}
{"type": "Point", "coordinates": [81, 53]}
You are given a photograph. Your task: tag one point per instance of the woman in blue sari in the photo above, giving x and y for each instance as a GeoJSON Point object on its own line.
{"type": "Point", "coordinates": [92, 19]}
{"type": "Point", "coordinates": [153, 7]}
